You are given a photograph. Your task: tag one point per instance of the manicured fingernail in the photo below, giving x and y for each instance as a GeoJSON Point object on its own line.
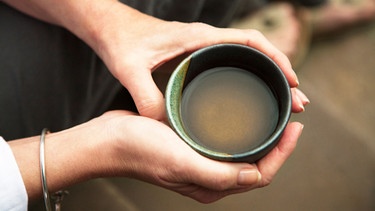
{"type": "Point", "coordinates": [302, 107]}
{"type": "Point", "coordinates": [297, 81]}
{"type": "Point", "coordinates": [302, 126]}
{"type": "Point", "coordinates": [249, 177]}
{"type": "Point", "coordinates": [303, 97]}
{"type": "Point", "coordinates": [296, 77]}
{"type": "Point", "coordinates": [300, 103]}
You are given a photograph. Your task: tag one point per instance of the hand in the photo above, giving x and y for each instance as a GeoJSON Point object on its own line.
{"type": "Point", "coordinates": [150, 151]}
{"type": "Point", "coordinates": [133, 51]}
{"type": "Point", "coordinates": [133, 44]}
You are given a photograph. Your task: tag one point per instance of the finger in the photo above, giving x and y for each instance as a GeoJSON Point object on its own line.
{"type": "Point", "coordinates": [299, 100]}
{"type": "Point", "coordinates": [146, 95]}
{"type": "Point", "coordinates": [261, 43]}
{"type": "Point", "coordinates": [271, 163]}
{"type": "Point", "coordinates": [297, 105]}
{"type": "Point", "coordinates": [257, 40]}
{"type": "Point", "coordinates": [305, 101]}
{"type": "Point", "coordinates": [223, 176]}
{"type": "Point", "coordinates": [205, 195]}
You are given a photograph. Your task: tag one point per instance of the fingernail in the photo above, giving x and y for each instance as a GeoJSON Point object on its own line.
{"type": "Point", "coordinates": [302, 126]}
{"type": "Point", "coordinates": [302, 107]}
{"type": "Point", "coordinates": [249, 177]}
{"type": "Point", "coordinates": [297, 81]}
{"type": "Point", "coordinates": [300, 103]}
{"type": "Point", "coordinates": [303, 97]}
{"type": "Point", "coordinates": [296, 77]}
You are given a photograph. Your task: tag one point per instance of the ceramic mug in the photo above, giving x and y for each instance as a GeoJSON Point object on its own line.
{"type": "Point", "coordinates": [229, 102]}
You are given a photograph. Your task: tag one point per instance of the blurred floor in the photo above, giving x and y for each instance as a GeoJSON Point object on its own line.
{"type": "Point", "coordinates": [333, 166]}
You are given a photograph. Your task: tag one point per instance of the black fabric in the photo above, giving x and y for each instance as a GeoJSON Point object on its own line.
{"type": "Point", "coordinates": [48, 77]}
{"type": "Point", "coordinates": [214, 12]}
{"type": "Point", "coordinates": [311, 3]}
{"type": "Point", "coordinates": [171, 10]}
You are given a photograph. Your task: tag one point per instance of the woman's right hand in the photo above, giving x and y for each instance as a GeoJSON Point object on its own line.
{"type": "Point", "coordinates": [148, 150]}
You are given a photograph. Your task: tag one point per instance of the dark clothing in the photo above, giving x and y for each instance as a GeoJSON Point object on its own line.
{"type": "Point", "coordinates": [48, 77]}
{"type": "Point", "coordinates": [214, 12]}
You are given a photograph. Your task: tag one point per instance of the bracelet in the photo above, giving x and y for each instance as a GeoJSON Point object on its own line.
{"type": "Point", "coordinates": [46, 194]}
{"type": "Point", "coordinates": [59, 195]}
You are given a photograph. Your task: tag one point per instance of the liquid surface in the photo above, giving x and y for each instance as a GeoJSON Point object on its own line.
{"type": "Point", "coordinates": [228, 110]}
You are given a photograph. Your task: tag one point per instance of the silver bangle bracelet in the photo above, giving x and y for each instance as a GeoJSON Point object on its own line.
{"type": "Point", "coordinates": [46, 194]}
{"type": "Point", "coordinates": [59, 195]}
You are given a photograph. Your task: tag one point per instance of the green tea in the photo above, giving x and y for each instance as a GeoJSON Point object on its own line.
{"type": "Point", "coordinates": [229, 110]}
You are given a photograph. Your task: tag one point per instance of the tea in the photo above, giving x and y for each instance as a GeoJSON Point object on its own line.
{"type": "Point", "coordinates": [229, 110]}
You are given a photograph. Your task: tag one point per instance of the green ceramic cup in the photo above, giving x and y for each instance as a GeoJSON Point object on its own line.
{"type": "Point", "coordinates": [229, 56]}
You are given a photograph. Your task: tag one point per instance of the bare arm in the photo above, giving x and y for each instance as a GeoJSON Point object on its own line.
{"type": "Point", "coordinates": [88, 19]}
{"type": "Point", "coordinates": [71, 157]}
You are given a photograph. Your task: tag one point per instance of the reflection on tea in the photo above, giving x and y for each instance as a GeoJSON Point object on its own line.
{"type": "Point", "coordinates": [229, 110]}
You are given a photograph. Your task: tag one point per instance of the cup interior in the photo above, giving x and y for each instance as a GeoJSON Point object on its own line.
{"type": "Point", "coordinates": [236, 56]}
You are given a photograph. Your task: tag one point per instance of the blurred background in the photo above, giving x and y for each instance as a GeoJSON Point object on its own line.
{"type": "Point", "coordinates": [333, 166]}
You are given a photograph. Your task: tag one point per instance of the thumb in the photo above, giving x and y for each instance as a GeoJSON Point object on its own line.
{"type": "Point", "coordinates": [216, 180]}
{"type": "Point", "coordinates": [223, 176]}
{"type": "Point", "coordinates": [146, 95]}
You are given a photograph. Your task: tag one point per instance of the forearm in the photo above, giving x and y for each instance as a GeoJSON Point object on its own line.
{"type": "Point", "coordinates": [64, 13]}
{"type": "Point", "coordinates": [88, 19]}
{"type": "Point", "coordinates": [71, 156]}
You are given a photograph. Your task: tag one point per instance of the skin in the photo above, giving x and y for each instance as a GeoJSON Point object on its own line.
{"type": "Point", "coordinates": [133, 45]}
{"type": "Point", "coordinates": [118, 146]}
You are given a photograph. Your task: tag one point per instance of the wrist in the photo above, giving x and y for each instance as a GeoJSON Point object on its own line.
{"type": "Point", "coordinates": [75, 155]}
{"type": "Point", "coordinates": [71, 156]}
{"type": "Point", "coordinates": [96, 22]}
{"type": "Point", "coordinates": [91, 149]}
{"type": "Point", "coordinates": [86, 18]}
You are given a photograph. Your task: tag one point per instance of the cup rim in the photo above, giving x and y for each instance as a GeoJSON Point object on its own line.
{"type": "Point", "coordinates": [173, 95]}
